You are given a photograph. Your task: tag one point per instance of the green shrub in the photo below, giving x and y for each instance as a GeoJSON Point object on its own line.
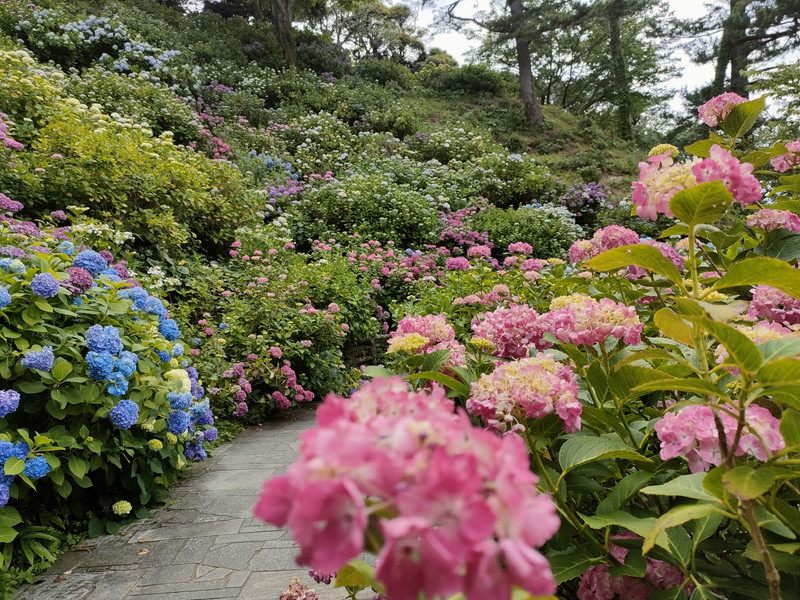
{"type": "Point", "coordinates": [550, 230]}
{"type": "Point", "coordinates": [469, 79]}
{"type": "Point", "coordinates": [445, 145]}
{"type": "Point", "coordinates": [384, 72]}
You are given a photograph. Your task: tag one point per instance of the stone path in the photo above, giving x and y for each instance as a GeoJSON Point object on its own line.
{"type": "Point", "coordinates": [205, 544]}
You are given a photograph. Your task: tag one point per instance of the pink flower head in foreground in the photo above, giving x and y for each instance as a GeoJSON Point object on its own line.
{"type": "Point", "coordinates": [458, 263]}
{"type": "Point", "coordinates": [769, 219]}
{"type": "Point", "coordinates": [462, 510]}
{"type": "Point", "coordinates": [760, 333]}
{"type": "Point", "coordinates": [661, 178]}
{"type": "Point", "coordinates": [692, 434]}
{"type": "Point", "coordinates": [785, 162]}
{"type": "Point", "coordinates": [512, 330]}
{"type": "Point", "coordinates": [530, 388]}
{"type": "Point", "coordinates": [580, 320]}
{"type": "Point", "coordinates": [772, 304]}
{"type": "Point", "coordinates": [520, 248]}
{"type": "Point", "coordinates": [603, 239]}
{"type": "Point", "coordinates": [479, 252]}
{"type": "Point", "coordinates": [598, 584]}
{"type": "Point", "coordinates": [713, 112]}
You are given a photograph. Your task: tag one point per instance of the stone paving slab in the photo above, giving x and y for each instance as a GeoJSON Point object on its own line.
{"type": "Point", "coordinates": [204, 544]}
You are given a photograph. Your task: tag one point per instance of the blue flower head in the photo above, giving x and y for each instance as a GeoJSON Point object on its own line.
{"type": "Point", "coordinates": [169, 329]}
{"type": "Point", "coordinates": [5, 297]}
{"type": "Point", "coordinates": [164, 355]}
{"type": "Point", "coordinates": [210, 434]}
{"type": "Point", "coordinates": [103, 339]}
{"type": "Point", "coordinates": [126, 363]}
{"type": "Point", "coordinates": [66, 247]}
{"type": "Point", "coordinates": [201, 413]}
{"type": "Point", "coordinates": [111, 275]}
{"type": "Point", "coordinates": [154, 306]}
{"type": "Point", "coordinates": [118, 386]}
{"type": "Point", "coordinates": [101, 365]}
{"type": "Point", "coordinates": [195, 451]}
{"type": "Point", "coordinates": [41, 360]}
{"type": "Point", "coordinates": [137, 295]}
{"type": "Point", "coordinates": [177, 350]}
{"type": "Point", "coordinates": [12, 265]}
{"type": "Point", "coordinates": [197, 390]}
{"type": "Point", "coordinates": [177, 422]}
{"type": "Point", "coordinates": [223, 326]}
{"type": "Point", "coordinates": [124, 414]}
{"type": "Point", "coordinates": [44, 285]}
{"type": "Point", "coordinates": [91, 261]}
{"type": "Point", "coordinates": [9, 402]}
{"type": "Point", "coordinates": [5, 493]}
{"type": "Point", "coordinates": [6, 451]}
{"type": "Point", "coordinates": [179, 401]}
{"type": "Point", "coordinates": [192, 373]}
{"type": "Point", "coordinates": [36, 467]}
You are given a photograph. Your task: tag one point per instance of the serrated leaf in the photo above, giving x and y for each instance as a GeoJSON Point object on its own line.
{"type": "Point", "coordinates": [14, 466]}
{"type": "Point", "coordinates": [674, 517]}
{"type": "Point", "coordinates": [790, 427]}
{"type": "Point", "coordinates": [741, 349]}
{"type": "Point", "coordinates": [355, 574]}
{"type": "Point", "coordinates": [703, 203]}
{"type": "Point", "coordinates": [640, 255]}
{"type": "Point", "coordinates": [747, 483]}
{"type": "Point", "coordinates": [639, 525]}
{"type": "Point", "coordinates": [684, 486]}
{"type": "Point", "coordinates": [689, 385]}
{"type": "Point", "coordinates": [742, 117]}
{"type": "Point", "coordinates": [569, 564]}
{"type": "Point", "coordinates": [625, 488]}
{"type": "Point", "coordinates": [762, 271]}
{"type": "Point", "coordinates": [7, 534]}
{"type": "Point", "coordinates": [673, 326]}
{"type": "Point", "coordinates": [582, 449]}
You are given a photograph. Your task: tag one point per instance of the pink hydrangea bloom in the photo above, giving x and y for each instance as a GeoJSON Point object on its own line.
{"type": "Point", "coordinates": [298, 591]}
{"type": "Point", "coordinates": [532, 264]}
{"type": "Point", "coordinates": [692, 434]}
{"type": "Point", "coordinates": [9, 205]}
{"type": "Point", "coordinates": [580, 320]}
{"type": "Point", "coordinates": [536, 387]}
{"type": "Point", "coordinates": [738, 177]}
{"type": "Point", "coordinates": [479, 252]}
{"type": "Point", "coordinates": [457, 263]}
{"type": "Point", "coordinates": [603, 239]}
{"type": "Point", "coordinates": [667, 251]}
{"type": "Point", "coordinates": [463, 512]}
{"type": "Point", "coordinates": [772, 304]}
{"type": "Point", "coordinates": [789, 160]}
{"type": "Point", "coordinates": [769, 219]}
{"type": "Point", "coordinates": [434, 327]}
{"type": "Point", "coordinates": [512, 330]}
{"type": "Point", "coordinates": [713, 112]}
{"type": "Point", "coordinates": [760, 333]}
{"type": "Point", "coordinates": [520, 248]}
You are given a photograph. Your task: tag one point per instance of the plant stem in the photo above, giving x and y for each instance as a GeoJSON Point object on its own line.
{"type": "Point", "coordinates": [770, 572]}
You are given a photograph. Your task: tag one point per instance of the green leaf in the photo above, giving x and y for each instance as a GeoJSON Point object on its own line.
{"type": "Point", "coordinates": [97, 527]}
{"type": "Point", "coordinates": [674, 326]}
{"type": "Point", "coordinates": [741, 349]}
{"type": "Point", "coordinates": [747, 483]}
{"type": "Point", "coordinates": [355, 574]}
{"type": "Point", "coordinates": [790, 427]}
{"type": "Point", "coordinates": [14, 466]}
{"type": "Point", "coordinates": [640, 255]}
{"type": "Point", "coordinates": [742, 117]}
{"type": "Point", "coordinates": [673, 517]}
{"type": "Point", "coordinates": [684, 486]}
{"type": "Point", "coordinates": [78, 467]}
{"type": "Point", "coordinates": [569, 564]}
{"type": "Point", "coordinates": [700, 387]}
{"type": "Point", "coordinates": [7, 534]}
{"type": "Point", "coordinates": [701, 148]}
{"type": "Point", "coordinates": [375, 371]}
{"type": "Point", "coordinates": [704, 203]}
{"type": "Point", "coordinates": [582, 449]}
{"type": "Point", "coordinates": [781, 371]}
{"type": "Point", "coordinates": [460, 388]}
{"type": "Point", "coordinates": [9, 516]}
{"type": "Point", "coordinates": [704, 528]}
{"type": "Point", "coordinates": [784, 347]}
{"type": "Point", "coordinates": [762, 271]}
{"type": "Point", "coordinates": [625, 488]}
{"type": "Point", "coordinates": [61, 369]}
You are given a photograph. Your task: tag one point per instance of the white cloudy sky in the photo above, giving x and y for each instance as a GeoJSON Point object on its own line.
{"type": "Point", "coordinates": [458, 44]}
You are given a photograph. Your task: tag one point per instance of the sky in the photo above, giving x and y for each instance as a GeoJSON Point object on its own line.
{"type": "Point", "coordinates": [459, 45]}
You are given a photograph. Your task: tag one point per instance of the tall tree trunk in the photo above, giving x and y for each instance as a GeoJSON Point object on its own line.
{"type": "Point", "coordinates": [280, 13]}
{"type": "Point", "coordinates": [620, 73]}
{"type": "Point", "coordinates": [733, 50]}
{"type": "Point", "coordinates": [533, 111]}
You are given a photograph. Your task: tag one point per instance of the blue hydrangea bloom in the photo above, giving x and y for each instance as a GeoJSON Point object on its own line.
{"type": "Point", "coordinates": [137, 295]}
{"type": "Point", "coordinates": [177, 422]}
{"type": "Point", "coordinates": [39, 359]}
{"type": "Point", "coordinates": [12, 265]}
{"type": "Point", "coordinates": [154, 306]}
{"type": "Point", "coordinates": [9, 402]}
{"type": "Point", "coordinates": [179, 401]}
{"type": "Point", "coordinates": [9, 449]}
{"type": "Point", "coordinates": [77, 301]}
{"type": "Point", "coordinates": [111, 275]}
{"type": "Point", "coordinates": [36, 467]}
{"type": "Point", "coordinates": [91, 261]}
{"type": "Point", "coordinates": [101, 365]}
{"type": "Point", "coordinates": [103, 339]}
{"type": "Point", "coordinates": [223, 326]}
{"type": "Point", "coordinates": [126, 364]}
{"type": "Point", "coordinates": [210, 434]}
{"type": "Point", "coordinates": [197, 390]}
{"type": "Point", "coordinates": [124, 414]}
{"type": "Point", "coordinates": [5, 297]}
{"type": "Point", "coordinates": [201, 413]}
{"type": "Point", "coordinates": [196, 341]}
{"type": "Point", "coordinates": [44, 285]}
{"type": "Point", "coordinates": [195, 451]}
{"type": "Point", "coordinates": [177, 350]}
{"type": "Point", "coordinates": [169, 329]}
{"type": "Point", "coordinates": [66, 247]}
{"type": "Point", "coordinates": [5, 493]}
{"type": "Point", "coordinates": [164, 355]}
{"type": "Point", "coordinates": [192, 373]}
{"type": "Point", "coordinates": [118, 386]}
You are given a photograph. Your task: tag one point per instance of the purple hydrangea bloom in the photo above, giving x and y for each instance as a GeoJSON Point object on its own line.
{"type": "Point", "coordinates": [124, 414]}
{"type": "Point", "coordinates": [41, 360]}
{"type": "Point", "coordinates": [195, 451]}
{"type": "Point", "coordinates": [210, 434]}
{"type": "Point", "coordinates": [9, 205]}
{"type": "Point", "coordinates": [44, 285]}
{"type": "Point", "coordinates": [12, 251]}
{"type": "Point", "coordinates": [80, 280]}
{"type": "Point", "coordinates": [9, 402]}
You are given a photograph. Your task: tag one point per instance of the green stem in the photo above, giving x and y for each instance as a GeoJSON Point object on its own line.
{"type": "Point", "coordinates": [770, 571]}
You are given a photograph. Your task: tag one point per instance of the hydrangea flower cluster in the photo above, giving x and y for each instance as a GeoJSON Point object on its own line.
{"type": "Point", "coordinates": [759, 333]}
{"type": "Point", "coordinates": [124, 414]}
{"type": "Point", "coordinates": [512, 330]}
{"type": "Point", "coordinates": [530, 388]}
{"type": "Point", "coordinates": [35, 468]}
{"type": "Point", "coordinates": [5, 135]}
{"type": "Point", "coordinates": [465, 512]}
{"type": "Point", "coordinates": [499, 294]}
{"type": "Point", "coordinates": [770, 219]}
{"type": "Point", "coordinates": [660, 178]}
{"type": "Point", "coordinates": [603, 239]}
{"type": "Point", "coordinates": [597, 583]}
{"type": "Point", "coordinates": [44, 285]}
{"type": "Point", "coordinates": [789, 160]}
{"type": "Point", "coordinates": [713, 112]}
{"type": "Point", "coordinates": [583, 321]}
{"type": "Point", "coordinates": [107, 360]}
{"type": "Point", "coordinates": [434, 328]}
{"type": "Point", "coordinates": [9, 402]}
{"type": "Point", "coordinates": [691, 433]}
{"type": "Point", "coordinates": [772, 304]}
{"type": "Point", "coordinates": [8, 205]}
{"type": "Point", "coordinates": [41, 360]}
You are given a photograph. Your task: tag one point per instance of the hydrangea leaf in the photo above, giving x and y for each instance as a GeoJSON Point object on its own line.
{"type": "Point", "coordinates": [790, 427]}
{"type": "Point", "coordinates": [624, 489]}
{"type": "Point", "coordinates": [762, 271]}
{"type": "Point", "coordinates": [684, 486]}
{"type": "Point", "coordinates": [582, 449]}
{"type": "Point", "coordinates": [674, 326]}
{"type": "Point", "coordinates": [742, 117]}
{"type": "Point", "coordinates": [640, 255]}
{"type": "Point", "coordinates": [569, 564]}
{"type": "Point", "coordinates": [674, 517]}
{"type": "Point", "coordinates": [747, 483]}
{"type": "Point", "coordinates": [704, 203]}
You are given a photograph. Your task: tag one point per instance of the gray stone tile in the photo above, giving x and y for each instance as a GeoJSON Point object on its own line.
{"type": "Point", "coordinates": [193, 530]}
